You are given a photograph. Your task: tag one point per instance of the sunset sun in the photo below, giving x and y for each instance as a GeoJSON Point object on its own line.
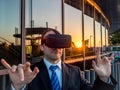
{"type": "Point", "coordinates": [79, 45]}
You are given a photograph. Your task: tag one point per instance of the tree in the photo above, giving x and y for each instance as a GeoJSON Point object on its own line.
{"type": "Point", "coordinates": [115, 38]}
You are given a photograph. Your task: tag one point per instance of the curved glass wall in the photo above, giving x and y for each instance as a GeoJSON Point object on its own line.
{"type": "Point", "coordinates": [43, 14]}
{"type": "Point", "coordinates": [9, 25]}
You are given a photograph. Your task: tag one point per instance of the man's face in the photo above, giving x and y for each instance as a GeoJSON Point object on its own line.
{"type": "Point", "coordinates": [52, 54]}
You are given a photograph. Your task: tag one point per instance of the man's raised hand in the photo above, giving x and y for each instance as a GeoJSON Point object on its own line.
{"type": "Point", "coordinates": [21, 74]}
{"type": "Point", "coordinates": [102, 66]}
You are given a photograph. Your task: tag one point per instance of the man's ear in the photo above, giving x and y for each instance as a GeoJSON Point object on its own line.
{"type": "Point", "coordinates": [41, 47]}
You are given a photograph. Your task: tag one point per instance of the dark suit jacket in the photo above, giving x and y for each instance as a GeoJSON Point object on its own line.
{"type": "Point", "coordinates": [71, 79]}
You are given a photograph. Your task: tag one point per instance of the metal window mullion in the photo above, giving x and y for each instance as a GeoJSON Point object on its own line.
{"type": "Point", "coordinates": [101, 33]}
{"type": "Point", "coordinates": [109, 36]}
{"type": "Point", "coordinates": [94, 32]}
{"type": "Point", "coordinates": [105, 35]}
{"type": "Point", "coordinates": [63, 25]}
{"type": "Point", "coordinates": [83, 39]}
{"type": "Point", "coordinates": [23, 32]}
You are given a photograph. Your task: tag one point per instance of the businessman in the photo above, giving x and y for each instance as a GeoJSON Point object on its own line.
{"type": "Point", "coordinates": [51, 73]}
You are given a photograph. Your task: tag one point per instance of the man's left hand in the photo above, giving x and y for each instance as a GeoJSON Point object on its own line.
{"type": "Point", "coordinates": [102, 66]}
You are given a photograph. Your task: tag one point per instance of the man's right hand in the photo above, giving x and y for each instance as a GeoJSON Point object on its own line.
{"type": "Point", "coordinates": [21, 74]}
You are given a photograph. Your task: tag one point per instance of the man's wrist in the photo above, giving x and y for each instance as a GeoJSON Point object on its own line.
{"type": "Point", "coordinates": [104, 79]}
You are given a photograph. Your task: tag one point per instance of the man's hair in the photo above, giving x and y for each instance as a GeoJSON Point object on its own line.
{"type": "Point", "coordinates": [43, 34]}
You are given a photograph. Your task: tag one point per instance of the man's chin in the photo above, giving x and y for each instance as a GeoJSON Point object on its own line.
{"type": "Point", "coordinates": [56, 58]}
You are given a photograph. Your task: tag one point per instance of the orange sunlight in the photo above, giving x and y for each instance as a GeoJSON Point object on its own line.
{"type": "Point", "coordinates": [79, 44]}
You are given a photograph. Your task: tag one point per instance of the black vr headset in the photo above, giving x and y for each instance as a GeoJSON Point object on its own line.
{"type": "Point", "coordinates": [58, 41]}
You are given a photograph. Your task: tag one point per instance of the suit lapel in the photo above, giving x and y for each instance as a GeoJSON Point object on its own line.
{"type": "Point", "coordinates": [44, 76]}
{"type": "Point", "coordinates": [65, 77]}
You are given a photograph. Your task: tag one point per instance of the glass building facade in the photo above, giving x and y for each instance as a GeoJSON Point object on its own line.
{"type": "Point", "coordinates": [22, 22]}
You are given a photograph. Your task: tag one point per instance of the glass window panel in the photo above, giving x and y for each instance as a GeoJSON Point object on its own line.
{"type": "Point", "coordinates": [98, 34]}
{"type": "Point", "coordinates": [103, 37]}
{"type": "Point", "coordinates": [106, 37]}
{"type": "Point", "coordinates": [73, 26]}
{"type": "Point", "coordinates": [10, 25]}
{"type": "Point", "coordinates": [43, 14]}
{"type": "Point", "coordinates": [88, 29]}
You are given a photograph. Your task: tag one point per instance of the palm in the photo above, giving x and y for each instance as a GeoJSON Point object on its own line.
{"type": "Point", "coordinates": [21, 74]}
{"type": "Point", "coordinates": [28, 77]}
{"type": "Point", "coordinates": [103, 68]}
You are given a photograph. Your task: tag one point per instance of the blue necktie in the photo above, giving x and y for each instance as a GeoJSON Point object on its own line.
{"type": "Point", "coordinates": [54, 78]}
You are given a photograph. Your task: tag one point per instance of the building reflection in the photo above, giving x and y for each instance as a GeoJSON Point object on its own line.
{"type": "Point", "coordinates": [12, 52]}
{"type": "Point", "coordinates": [83, 24]}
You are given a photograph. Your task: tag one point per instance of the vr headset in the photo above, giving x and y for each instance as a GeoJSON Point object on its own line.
{"type": "Point", "coordinates": [58, 41]}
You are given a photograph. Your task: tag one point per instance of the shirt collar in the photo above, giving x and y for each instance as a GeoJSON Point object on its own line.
{"type": "Point", "coordinates": [48, 64]}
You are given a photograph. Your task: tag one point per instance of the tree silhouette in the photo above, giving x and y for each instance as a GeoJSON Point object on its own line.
{"type": "Point", "coordinates": [115, 38]}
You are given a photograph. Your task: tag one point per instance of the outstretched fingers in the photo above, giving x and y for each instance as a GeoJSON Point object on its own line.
{"type": "Point", "coordinates": [21, 71]}
{"type": "Point", "coordinates": [27, 66]}
{"type": "Point", "coordinates": [98, 55]}
{"type": "Point", "coordinates": [5, 64]}
{"type": "Point", "coordinates": [14, 68]}
{"type": "Point", "coordinates": [94, 65]}
{"type": "Point", "coordinates": [35, 72]}
{"type": "Point", "coordinates": [111, 57]}
{"type": "Point", "coordinates": [28, 69]}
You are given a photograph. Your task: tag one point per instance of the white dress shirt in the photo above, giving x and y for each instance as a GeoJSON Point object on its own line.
{"type": "Point", "coordinates": [58, 70]}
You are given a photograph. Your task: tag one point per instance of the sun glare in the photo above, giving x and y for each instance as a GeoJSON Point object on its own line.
{"type": "Point", "coordinates": [78, 45]}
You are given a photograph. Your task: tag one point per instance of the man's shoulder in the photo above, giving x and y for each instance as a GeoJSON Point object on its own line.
{"type": "Point", "coordinates": [70, 67]}
{"type": "Point", "coordinates": [71, 71]}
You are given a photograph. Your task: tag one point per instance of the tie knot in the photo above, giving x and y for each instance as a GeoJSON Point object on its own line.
{"type": "Point", "coordinates": [53, 68]}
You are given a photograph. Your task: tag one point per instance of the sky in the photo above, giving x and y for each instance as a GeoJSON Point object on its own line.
{"type": "Point", "coordinates": [9, 18]}
{"type": "Point", "coordinates": [44, 11]}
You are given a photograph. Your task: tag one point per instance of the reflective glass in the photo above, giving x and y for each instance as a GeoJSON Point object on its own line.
{"type": "Point", "coordinates": [9, 26]}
